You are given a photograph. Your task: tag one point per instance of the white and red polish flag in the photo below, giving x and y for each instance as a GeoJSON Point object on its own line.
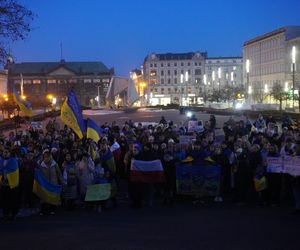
{"type": "Point", "coordinates": [146, 171]}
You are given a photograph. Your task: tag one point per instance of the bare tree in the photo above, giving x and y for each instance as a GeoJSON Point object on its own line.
{"type": "Point", "coordinates": [15, 20]}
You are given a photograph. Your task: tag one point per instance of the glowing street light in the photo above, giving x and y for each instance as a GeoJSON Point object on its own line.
{"type": "Point", "coordinates": [250, 90]}
{"type": "Point", "coordinates": [266, 90]}
{"type": "Point", "coordinates": [213, 78]}
{"type": "Point", "coordinates": [293, 68]}
{"type": "Point", "coordinates": [219, 77]}
{"type": "Point", "coordinates": [247, 72]}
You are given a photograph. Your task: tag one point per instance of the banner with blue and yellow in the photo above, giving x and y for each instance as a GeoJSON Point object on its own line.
{"type": "Point", "coordinates": [46, 191]}
{"type": "Point", "coordinates": [24, 106]}
{"type": "Point", "coordinates": [94, 132]}
{"type": "Point", "coordinates": [71, 114]}
{"type": "Point", "coordinates": [9, 170]}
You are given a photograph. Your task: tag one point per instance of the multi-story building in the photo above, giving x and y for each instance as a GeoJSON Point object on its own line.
{"type": "Point", "coordinates": [90, 80]}
{"type": "Point", "coordinates": [173, 78]}
{"type": "Point", "coordinates": [269, 59]}
{"type": "Point", "coordinates": [223, 71]}
{"type": "Point", "coordinates": [3, 82]}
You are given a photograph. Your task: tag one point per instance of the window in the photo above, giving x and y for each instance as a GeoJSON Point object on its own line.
{"type": "Point", "coordinates": [27, 81]}
{"type": "Point", "coordinates": [189, 64]}
{"type": "Point", "coordinates": [175, 72]}
{"type": "Point", "coordinates": [49, 81]}
{"type": "Point", "coordinates": [36, 81]}
{"type": "Point", "coordinates": [17, 81]}
{"type": "Point", "coordinates": [175, 64]}
{"type": "Point", "coordinates": [182, 64]}
{"type": "Point", "coordinates": [161, 65]}
{"type": "Point", "coordinates": [175, 80]}
{"type": "Point", "coordinates": [169, 90]}
{"type": "Point", "coordinates": [182, 71]}
{"type": "Point", "coordinates": [105, 80]}
{"type": "Point", "coordinates": [169, 81]}
{"type": "Point", "coordinates": [162, 73]}
{"type": "Point", "coordinates": [162, 90]}
{"type": "Point", "coordinates": [234, 67]}
{"type": "Point", "coordinates": [155, 90]}
{"type": "Point", "coordinates": [75, 80]}
{"type": "Point", "coordinates": [189, 71]}
{"type": "Point", "coordinates": [199, 63]}
{"type": "Point", "coordinates": [153, 73]}
{"type": "Point", "coordinates": [196, 63]}
{"type": "Point", "coordinates": [96, 80]}
{"type": "Point", "coordinates": [154, 64]}
{"type": "Point", "coordinates": [169, 73]}
{"type": "Point", "coordinates": [197, 71]}
{"type": "Point", "coordinates": [175, 90]}
{"type": "Point", "coordinates": [87, 80]}
{"type": "Point", "coordinates": [162, 81]}
{"type": "Point", "coordinates": [151, 65]}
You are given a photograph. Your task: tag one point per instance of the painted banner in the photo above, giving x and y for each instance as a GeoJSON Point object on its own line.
{"type": "Point", "coordinates": [200, 180]}
{"type": "Point", "coordinates": [292, 165]}
{"type": "Point", "coordinates": [274, 165]}
{"type": "Point", "coordinates": [98, 192]}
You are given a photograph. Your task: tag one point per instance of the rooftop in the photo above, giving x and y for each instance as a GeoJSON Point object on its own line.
{"type": "Point", "coordinates": [291, 32]}
{"type": "Point", "coordinates": [79, 68]}
{"type": "Point", "coordinates": [176, 56]}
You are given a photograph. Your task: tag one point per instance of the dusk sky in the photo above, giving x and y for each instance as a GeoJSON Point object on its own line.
{"type": "Point", "coordinates": [121, 33]}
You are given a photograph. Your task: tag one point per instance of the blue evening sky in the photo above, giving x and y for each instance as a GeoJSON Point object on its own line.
{"type": "Point", "coordinates": [120, 33]}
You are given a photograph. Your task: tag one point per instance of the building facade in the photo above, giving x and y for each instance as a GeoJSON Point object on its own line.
{"type": "Point", "coordinates": [3, 82]}
{"type": "Point", "coordinates": [223, 71]}
{"type": "Point", "coordinates": [269, 58]}
{"type": "Point", "coordinates": [173, 78]}
{"type": "Point", "coordinates": [90, 80]}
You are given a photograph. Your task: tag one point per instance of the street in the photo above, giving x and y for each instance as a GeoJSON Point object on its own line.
{"type": "Point", "coordinates": [182, 226]}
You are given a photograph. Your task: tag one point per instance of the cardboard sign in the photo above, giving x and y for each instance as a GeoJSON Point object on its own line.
{"type": "Point", "coordinates": [98, 192]}
{"type": "Point", "coordinates": [186, 139]}
{"type": "Point", "coordinates": [192, 126]}
{"type": "Point", "coordinates": [275, 165]}
{"type": "Point", "coordinates": [292, 165]}
{"type": "Point", "coordinates": [36, 125]}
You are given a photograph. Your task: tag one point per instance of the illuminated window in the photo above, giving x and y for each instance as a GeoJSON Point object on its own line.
{"type": "Point", "coordinates": [36, 81]}
{"type": "Point", "coordinates": [87, 80]}
{"type": "Point", "coordinates": [153, 73]}
{"type": "Point", "coordinates": [97, 80]}
{"type": "Point", "coordinates": [153, 81]}
{"type": "Point", "coordinates": [105, 80]}
{"type": "Point", "coordinates": [27, 81]}
{"type": "Point", "coordinates": [51, 81]}
{"type": "Point", "coordinates": [75, 80]}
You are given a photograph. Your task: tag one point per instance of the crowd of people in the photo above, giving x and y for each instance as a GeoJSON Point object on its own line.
{"type": "Point", "coordinates": [75, 163]}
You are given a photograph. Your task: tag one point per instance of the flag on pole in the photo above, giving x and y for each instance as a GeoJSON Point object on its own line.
{"type": "Point", "coordinates": [24, 106]}
{"type": "Point", "coordinates": [71, 114]}
{"type": "Point", "coordinates": [94, 132]}
{"type": "Point", "coordinates": [146, 171]}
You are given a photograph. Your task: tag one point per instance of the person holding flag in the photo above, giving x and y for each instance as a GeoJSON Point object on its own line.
{"type": "Point", "coordinates": [24, 106]}
{"type": "Point", "coordinates": [9, 182]}
{"type": "Point", "coordinates": [94, 132]}
{"type": "Point", "coordinates": [71, 115]}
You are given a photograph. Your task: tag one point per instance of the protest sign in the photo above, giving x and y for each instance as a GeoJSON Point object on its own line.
{"type": "Point", "coordinates": [192, 126]}
{"type": "Point", "coordinates": [36, 125]}
{"type": "Point", "coordinates": [186, 139]}
{"type": "Point", "coordinates": [198, 180]}
{"type": "Point", "coordinates": [98, 192]}
{"type": "Point", "coordinates": [292, 165]}
{"type": "Point", "coordinates": [274, 165]}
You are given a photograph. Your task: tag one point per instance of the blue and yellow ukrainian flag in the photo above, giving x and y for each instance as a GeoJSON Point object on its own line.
{"type": "Point", "coordinates": [46, 191]}
{"type": "Point", "coordinates": [9, 169]}
{"type": "Point", "coordinates": [94, 132]}
{"type": "Point", "coordinates": [71, 114]}
{"type": "Point", "coordinates": [24, 106]}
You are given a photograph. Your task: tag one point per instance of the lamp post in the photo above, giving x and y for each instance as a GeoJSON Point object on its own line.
{"type": "Point", "coordinates": [181, 92]}
{"type": "Point", "coordinates": [213, 79]}
{"type": "Point", "coordinates": [219, 77]}
{"type": "Point", "coordinates": [186, 87]}
{"type": "Point", "coordinates": [293, 69]}
{"type": "Point", "coordinates": [98, 87]}
{"type": "Point", "coordinates": [247, 73]}
{"type": "Point", "coordinates": [204, 82]}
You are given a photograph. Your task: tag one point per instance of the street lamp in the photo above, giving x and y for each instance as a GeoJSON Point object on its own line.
{"type": "Point", "coordinates": [219, 77]}
{"type": "Point", "coordinates": [247, 72]}
{"type": "Point", "coordinates": [231, 77]}
{"type": "Point", "coordinates": [186, 87]}
{"type": "Point", "coordinates": [293, 69]}
{"type": "Point", "coordinates": [204, 82]}
{"type": "Point", "coordinates": [181, 92]}
{"type": "Point", "coordinates": [213, 79]}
